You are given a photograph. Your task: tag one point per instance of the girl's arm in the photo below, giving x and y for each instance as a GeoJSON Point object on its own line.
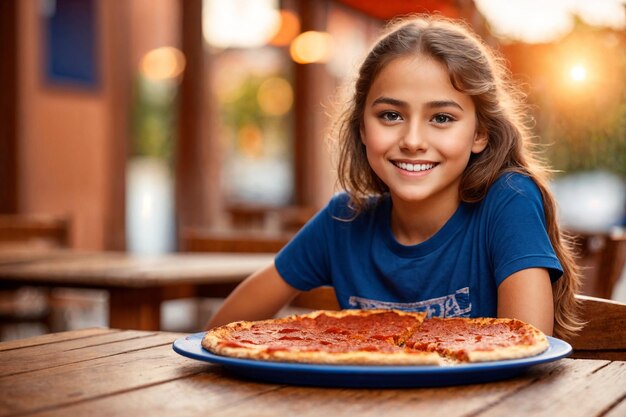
{"type": "Point", "coordinates": [527, 295]}
{"type": "Point", "coordinates": [258, 297]}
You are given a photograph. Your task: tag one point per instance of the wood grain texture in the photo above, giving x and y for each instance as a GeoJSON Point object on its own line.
{"type": "Point", "coordinates": [53, 338]}
{"type": "Point", "coordinates": [105, 375]}
{"type": "Point", "coordinates": [78, 350]}
{"type": "Point", "coordinates": [202, 394]}
{"type": "Point", "coordinates": [570, 390]}
{"type": "Point", "coordinates": [617, 410]}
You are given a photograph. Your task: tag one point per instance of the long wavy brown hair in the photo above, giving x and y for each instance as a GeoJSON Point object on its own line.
{"type": "Point", "coordinates": [478, 71]}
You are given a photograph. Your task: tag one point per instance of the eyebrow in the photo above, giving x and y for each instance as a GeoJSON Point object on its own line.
{"type": "Point", "coordinates": [444, 103]}
{"type": "Point", "coordinates": [431, 104]}
{"type": "Point", "coordinates": [389, 100]}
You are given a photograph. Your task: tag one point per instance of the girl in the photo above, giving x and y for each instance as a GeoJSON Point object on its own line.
{"type": "Point", "coordinates": [446, 210]}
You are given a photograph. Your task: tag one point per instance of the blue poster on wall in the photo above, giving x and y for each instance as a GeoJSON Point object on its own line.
{"type": "Point", "coordinates": [71, 42]}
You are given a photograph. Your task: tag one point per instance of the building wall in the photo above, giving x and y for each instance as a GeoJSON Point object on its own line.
{"type": "Point", "coordinates": [72, 141]}
{"type": "Point", "coordinates": [62, 142]}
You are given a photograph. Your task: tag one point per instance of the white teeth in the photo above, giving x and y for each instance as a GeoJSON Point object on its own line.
{"type": "Point", "coordinates": [414, 167]}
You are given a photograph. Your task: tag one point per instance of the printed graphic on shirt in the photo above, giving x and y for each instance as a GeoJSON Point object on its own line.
{"type": "Point", "coordinates": [453, 305]}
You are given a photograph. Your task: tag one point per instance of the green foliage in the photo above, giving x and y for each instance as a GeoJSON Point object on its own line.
{"type": "Point", "coordinates": [154, 119]}
{"type": "Point", "coordinates": [578, 142]}
{"type": "Point", "coordinates": [245, 108]}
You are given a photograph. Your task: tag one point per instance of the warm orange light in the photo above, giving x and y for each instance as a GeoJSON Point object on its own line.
{"type": "Point", "coordinates": [275, 96]}
{"type": "Point", "coordinates": [311, 47]}
{"type": "Point", "coordinates": [250, 138]}
{"type": "Point", "coordinates": [162, 63]}
{"type": "Point", "coordinates": [288, 30]}
{"type": "Point", "coordinates": [578, 73]}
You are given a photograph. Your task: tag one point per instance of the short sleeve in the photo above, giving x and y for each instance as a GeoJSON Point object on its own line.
{"type": "Point", "coordinates": [304, 263]}
{"type": "Point", "coordinates": [517, 229]}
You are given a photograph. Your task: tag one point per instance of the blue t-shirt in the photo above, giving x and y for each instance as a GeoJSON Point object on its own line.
{"type": "Point", "coordinates": [455, 273]}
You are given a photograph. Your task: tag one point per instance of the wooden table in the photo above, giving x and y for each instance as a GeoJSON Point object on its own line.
{"type": "Point", "coordinates": [137, 285]}
{"type": "Point", "coordinates": [103, 372]}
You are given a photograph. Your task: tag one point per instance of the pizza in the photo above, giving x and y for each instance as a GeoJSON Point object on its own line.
{"type": "Point", "coordinates": [376, 337]}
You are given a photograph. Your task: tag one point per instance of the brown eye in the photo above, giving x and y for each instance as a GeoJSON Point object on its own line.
{"type": "Point", "coordinates": [442, 119]}
{"type": "Point", "coordinates": [390, 116]}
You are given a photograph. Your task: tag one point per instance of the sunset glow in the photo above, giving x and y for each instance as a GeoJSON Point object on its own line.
{"type": "Point", "coordinates": [578, 73]}
{"type": "Point", "coordinates": [545, 21]}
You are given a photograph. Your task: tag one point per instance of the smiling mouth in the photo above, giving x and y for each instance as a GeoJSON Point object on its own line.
{"type": "Point", "coordinates": [414, 167]}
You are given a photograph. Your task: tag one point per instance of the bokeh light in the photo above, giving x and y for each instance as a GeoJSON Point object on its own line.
{"type": "Point", "coordinates": [275, 96]}
{"type": "Point", "coordinates": [250, 140]}
{"type": "Point", "coordinates": [162, 63]}
{"type": "Point", "coordinates": [289, 29]}
{"type": "Point", "coordinates": [311, 47]}
{"type": "Point", "coordinates": [240, 23]}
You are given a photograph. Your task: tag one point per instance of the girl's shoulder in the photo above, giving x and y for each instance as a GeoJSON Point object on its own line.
{"type": "Point", "coordinates": [513, 192]}
{"type": "Point", "coordinates": [514, 184]}
{"type": "Point", "coordinates": [341, 206]}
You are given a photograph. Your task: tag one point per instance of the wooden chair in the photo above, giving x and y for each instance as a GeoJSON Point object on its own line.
{"type": "Point", "coordinates": [206, 240]}
{"type": "Point", "coordinates": [604, 335]}
{"type": "Point", "coordinates": [291, 219]}
{"type": "Point", "coordinates": [602, 257]}
{"type": "Point", "coordinates": [20, 232]}
{"type": "Point", "coordinates": [33, 231]}
{"type": "Point", "coordinates": [199, 240]}
{"type": "Point", "coordinates": [248, 217]}
{"type": "Point", "coordinates": [268, 218]}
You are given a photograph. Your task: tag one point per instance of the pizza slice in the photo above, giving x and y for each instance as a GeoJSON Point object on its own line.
{"type": "Point", "coordinates": [478, 339]}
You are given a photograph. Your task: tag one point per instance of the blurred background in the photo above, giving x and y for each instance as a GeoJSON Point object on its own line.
{"type": "Point", "coordinates": [145, 122]}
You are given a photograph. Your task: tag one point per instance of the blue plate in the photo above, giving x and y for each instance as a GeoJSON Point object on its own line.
{"type": "Point", "coordinates": [370, 376]}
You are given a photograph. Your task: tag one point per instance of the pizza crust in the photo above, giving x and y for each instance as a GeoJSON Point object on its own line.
{"type": "Point", "coordinates": [538, 344]}
{"type": "Point", "coordinates": [329, 358]}
{"type": "Point", "coordinates": [512, 352]}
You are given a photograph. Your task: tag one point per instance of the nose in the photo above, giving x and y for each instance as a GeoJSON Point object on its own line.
{"type": "Point", "coordinates": [413, 138]}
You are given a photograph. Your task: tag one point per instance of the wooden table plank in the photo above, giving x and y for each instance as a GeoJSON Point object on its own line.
{"type": "Point", "coordinates": [121, 269]}
{"type": "Point", "coordinates": [53, 338]}
{"type": "Point", "coordinates": [77, 350]}
{"type": "Point", "coordinates": [572, 389]}
{"type": "Point", "coordinates": [23, 255]}
{"type": "Point", "coordinates": [431, 402]}
{"type": "Point", "coordinates": [217, 393]}
{"type": "Point", "coordinates": [198, 395]}
{"type": "Point", "coordinates": [67, 384]}
{"type": "Point", "coordinates": [618, 409]}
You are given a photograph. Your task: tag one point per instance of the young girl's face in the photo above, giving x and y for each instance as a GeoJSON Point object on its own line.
{"type": "Point", "coordinates": [419, 131]}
